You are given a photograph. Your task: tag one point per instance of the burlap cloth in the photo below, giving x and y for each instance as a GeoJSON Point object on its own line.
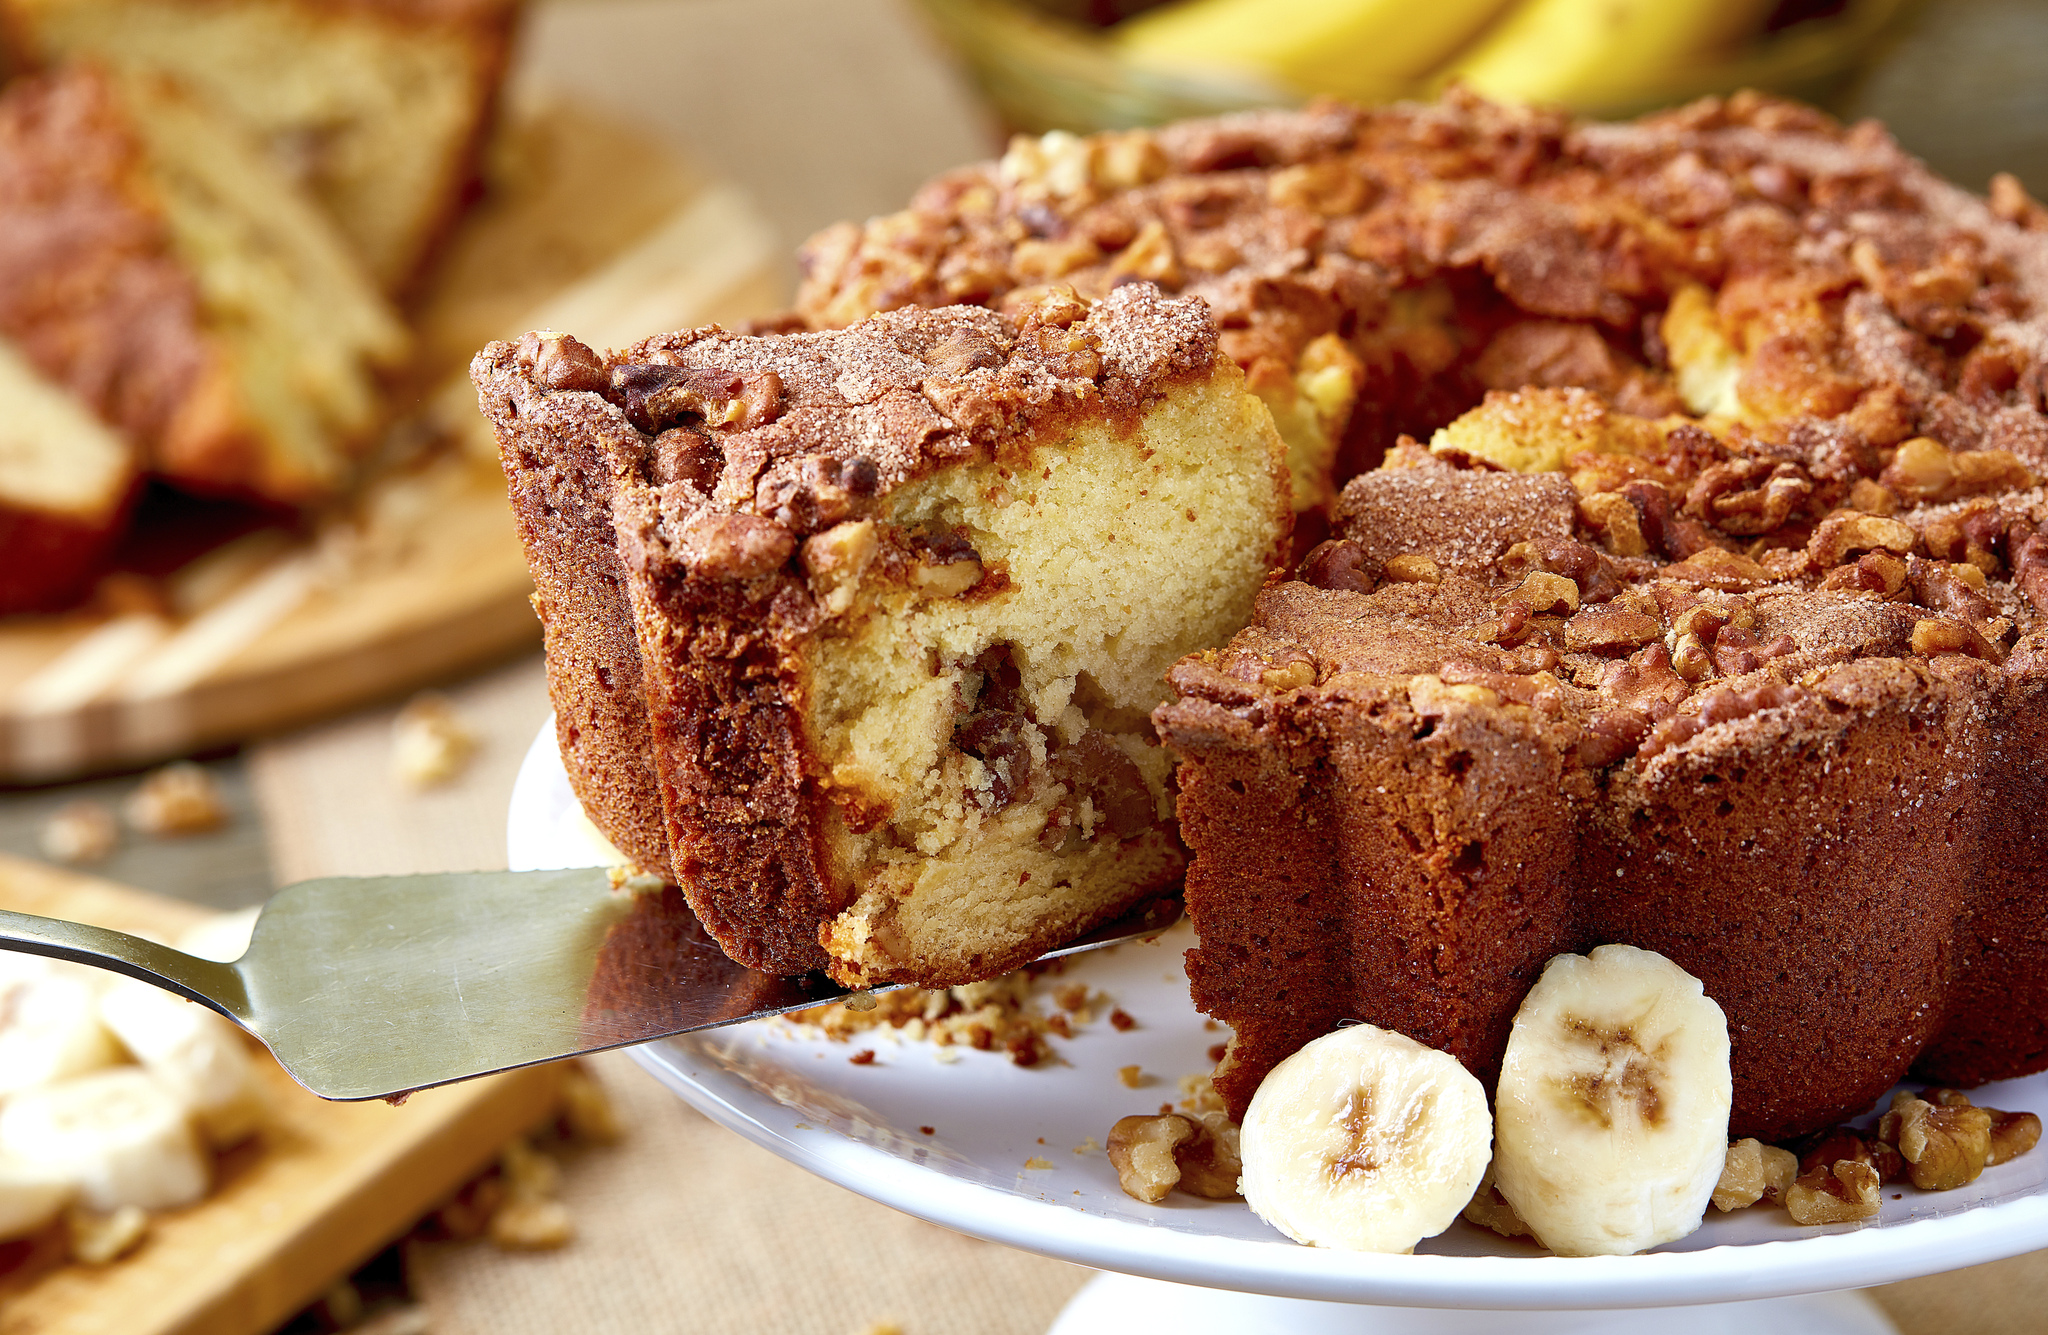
{"type": "Point", "coordinates": [683, 1225]}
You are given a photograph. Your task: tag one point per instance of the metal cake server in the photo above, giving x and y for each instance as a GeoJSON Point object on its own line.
{"type": "Point", "coordinates": [371, 987]}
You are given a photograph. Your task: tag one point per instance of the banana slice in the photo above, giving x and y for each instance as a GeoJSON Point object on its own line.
{"type": "Point", "coordinates": [1365, 1140]}
{"type": "Point", "coordinates": [195, 1054]}
{"type": "Point", "coordinates": [1613, 1103]}
{"type": "Point", "coordinates": [49, 1026]}
{"type": "Point", "coordinates": [117, 1134]}
{"type": "Point", "coordinates": [30, 1197]}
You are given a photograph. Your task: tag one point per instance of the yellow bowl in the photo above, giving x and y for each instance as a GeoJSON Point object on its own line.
{"type": "Point", "coordinates": [1045, 73]}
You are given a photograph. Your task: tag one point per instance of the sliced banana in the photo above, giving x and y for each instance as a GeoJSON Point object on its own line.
{"type": "Point", "coordinates": [195, 1054]}
{"type": "Point", "coordinates": [1613, 1103]}
{"type": "Point", "coordinates": [30, 1197]}
{"type": "Point", "coordinates": [49, 1026]}
{"type": "Point", "coordinates": [117, 1134]}
{"type": "Point", "coordinates": [1365, 1140]}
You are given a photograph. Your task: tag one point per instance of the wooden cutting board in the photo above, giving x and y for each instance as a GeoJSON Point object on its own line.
{"type": "Point", "coordinates": [323, 1189]}
{"type": "Point", "coordinates": [589, 226]}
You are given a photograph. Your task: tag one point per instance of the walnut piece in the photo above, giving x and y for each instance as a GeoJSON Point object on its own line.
{"type": "Point", "coordinates": [1847, 531]}
{"type": "Point", "coordinates": [1752, 1171]}
{"type": "Point", "coordinates": [80, 832]}
{"type": "Point", "coordinates": [1142, 1151]}
{"type": "Point", "coordinates": [100, 1239]}
{"type": "Point", "coordinates": [177, 799]}
{"type": "Point", "coordinates": [1946, 1145]}
{"type": "Point", "coordinates": [1840, 1193]}
{"type": "Point", "coordinates": [429, 744]}
{"type": "Point", "coordinates": [531, 1219]}
{"type": "Point", "coordinates": [1412, 568]}
{"type": "Point", "coordinates": [1489, 1209]}
{"type": "Point", "coordinates": [1609, 628]}
{"type": "Point", "coordinates": [1211, 1163]}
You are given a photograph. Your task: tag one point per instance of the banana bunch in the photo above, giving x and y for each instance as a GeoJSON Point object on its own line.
{"type": "Point", "coordinates": [113, 1093]}
{"type": "Point", "coordinates": [1592, 55]}
{"type": "Point", "coordinates": [1609, 1129]}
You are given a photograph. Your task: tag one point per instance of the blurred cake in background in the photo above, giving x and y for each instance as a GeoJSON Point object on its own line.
{"type": "Point", "coordinates": [157, 267]}
{"type": "Point", "coordinates": [377, 107]}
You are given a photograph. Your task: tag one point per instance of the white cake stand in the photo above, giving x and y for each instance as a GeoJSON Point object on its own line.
{"type": "Point", "coordinates": [1011, 1155]}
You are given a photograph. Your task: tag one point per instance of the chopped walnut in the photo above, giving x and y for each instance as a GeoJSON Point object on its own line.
{"type": "Point", "coordinates": [1938, 635]}
{"type": "Point", "coordinates": [1847, 531]}
{"type": "Point", "coordinates": [1838, 1193]}
{"type": "Point", "coordinates": [531, 1219]}
{"type": "Point", "coordinates": [532, 1225]}
{"type": "Point", "coordinates": [100, 1239]}
{"type": "Point", "coordinates": [1610, 628]}
{"type": "Point", "coordinates": [587, 1113]}
{"type": "Point", "coordinates": [80, 832]}
{"type": "Point", "coordinates": [1946, 1145]}
{"type": "Point", "coordinates": [1154, 1154]}
{"type": "Point", "coordinates": [429, 745]}
{"type": "Point", "coordinates": [1613, 517]}
{"type": "Point", "coordinates": [1411, 568]}
{"type": "Point", "coordinates": [1489, 1209]}
{"type": "Point", "coordinates": [175, 800]}
{"type": "Point", "coordinates": [1546, 594]}
{"type": "Point", "coordinates": [1753, 1171]}
{"type": "Point", "coordinates": [836, 560]}
{"type": "Point", "coordinates": [1211, 1163]}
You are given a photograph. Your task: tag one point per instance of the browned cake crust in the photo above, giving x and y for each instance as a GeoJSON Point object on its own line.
{"type": "Point", "coordinates": [1453, 248]}
{"type": "Point", "coordinates": [1765, 691]}
{"type": "Point", "coordinates": [52, 559]}
{"type": "Point", "coordinates": [702, 480]}
{"type": "Point", "coordinates": [89, 289]}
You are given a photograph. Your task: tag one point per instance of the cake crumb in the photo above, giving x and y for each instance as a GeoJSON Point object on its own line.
{"type": "Point", "coordinates": [1088, 1146]}
{"type": "Point", "coordinates": [80, 832]}
{"type": "Point", "coordinates": [865, 1057]}
{"type": "Point", "coordinates": [429, 744]}
{"type": "Point", "coordinates": [881, 1328]}
{"type": "Point", "coordinates": [1133, 1077]}
{"type": "Point", "coordinates": [176, 800]}
{"type": "Point", "coordinates": [1120, 1021]}
{"type": "Point", "coordinates": [928, 1130]}
{"type": "Point", "coordinates": [1037, 1162]}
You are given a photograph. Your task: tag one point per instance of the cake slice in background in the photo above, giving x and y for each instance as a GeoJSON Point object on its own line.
{"type": "Point", "coordinates": [879, 613]}
{"type": "Point", "coordinates": [153, 263]}
{"type": "Point", "coordinates": [66, 481]}
{"type": "Point", "coordinates": [376, 107]}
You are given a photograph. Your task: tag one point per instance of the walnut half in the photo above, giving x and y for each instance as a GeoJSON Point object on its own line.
{"type": "Point", "coordinates": [1840, 1193]}
{"type": "Point", "coordinates": [1153, 1155]}
{"type": "Point", "coordinates": [1752, 1171]}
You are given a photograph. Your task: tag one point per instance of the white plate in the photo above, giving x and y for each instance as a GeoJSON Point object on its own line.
{"type": "Point", "coordinates": [862, 1127]}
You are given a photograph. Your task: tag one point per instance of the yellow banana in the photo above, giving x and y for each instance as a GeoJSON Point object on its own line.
{"type": "Point", "coordinates": [1363, 49]}
{"type": "Point", "coordinates": [1599, 55]}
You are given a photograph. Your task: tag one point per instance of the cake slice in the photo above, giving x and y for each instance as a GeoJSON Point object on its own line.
{"type": "Point", "coordinates": [154, 264]}
{"type": "Point", "coordinates": [1499, 720]}
{"type": "Point", "coordinates": [880, 613]}
{"type": "Point", "coordinates": [66, 481]}
{"type": "Point", "coordinates": [377, 108]}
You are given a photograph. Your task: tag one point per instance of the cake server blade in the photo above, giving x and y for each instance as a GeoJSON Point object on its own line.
{"type": "Point", "coordinates": [371, 987]}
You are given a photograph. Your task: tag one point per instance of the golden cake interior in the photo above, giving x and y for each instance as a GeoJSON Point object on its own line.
{"type": "Point", "coordinates": [301, 332]}
{"type": "Point", "coordinates": [980, 713]}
